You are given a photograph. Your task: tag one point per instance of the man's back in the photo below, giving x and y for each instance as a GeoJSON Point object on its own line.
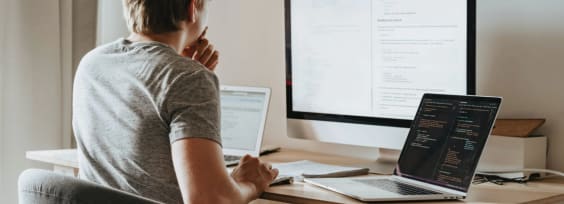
{"type": "Point", "coordinates": [131, 101]}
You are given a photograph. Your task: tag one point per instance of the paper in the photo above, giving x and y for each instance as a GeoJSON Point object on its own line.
{"type": "Point", "coordinates": [308, 169]}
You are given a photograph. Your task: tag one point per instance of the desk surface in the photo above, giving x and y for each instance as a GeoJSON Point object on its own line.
{"type": "Point", "coordinates": [548, 191]}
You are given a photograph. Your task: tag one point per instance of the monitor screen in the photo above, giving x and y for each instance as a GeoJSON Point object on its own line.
{"type": "Point", "coordinates": [242, 115]}
{"type": "Point", "coordinates": [447, 138]}
{"type": "Point", "coordinates": [371, 61]}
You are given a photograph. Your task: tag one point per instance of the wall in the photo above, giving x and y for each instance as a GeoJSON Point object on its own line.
{"type": "Point", "coordinates": [520, 57]}
{"type": "Point", "coordinates": [520, 52]}
{"type": "Point", "coordinates": [111, 26]}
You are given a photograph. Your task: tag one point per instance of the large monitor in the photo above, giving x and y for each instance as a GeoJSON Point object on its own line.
{"type": "Point", "coordinates": [357, 69]}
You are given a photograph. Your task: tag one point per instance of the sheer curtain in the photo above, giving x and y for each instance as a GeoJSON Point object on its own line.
{"type": "Point", "coordinates": [37, 55]}
{"type": "Point", "coordinates": [2, 62]}
{"type": "Point", "coordinates": [31, 95]}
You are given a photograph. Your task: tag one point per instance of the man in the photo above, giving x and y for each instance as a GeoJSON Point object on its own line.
{"type": "Point", "coordinates": [146, 111]}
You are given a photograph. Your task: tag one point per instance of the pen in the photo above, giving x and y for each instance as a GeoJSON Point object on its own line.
{"type": "Point", "coordinates": [281, 180]}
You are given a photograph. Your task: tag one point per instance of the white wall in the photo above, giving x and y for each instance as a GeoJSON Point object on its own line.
{"type": "Point", "coordinates": [111, 26]}
{"type": "Point", "coordinates": [520, 57]}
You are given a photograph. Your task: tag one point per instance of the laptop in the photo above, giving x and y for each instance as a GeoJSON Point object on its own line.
{"type": "Point", "coordinates": [439, 157]}
{"type": "Point", "coordinates": [243, 116]}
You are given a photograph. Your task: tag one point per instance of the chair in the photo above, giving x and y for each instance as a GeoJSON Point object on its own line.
{"type": "Point", "coordinates": [45, 187]}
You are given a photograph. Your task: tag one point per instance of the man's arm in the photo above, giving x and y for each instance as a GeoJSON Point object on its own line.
{"type": "Point", "coordinates": [203, 178]}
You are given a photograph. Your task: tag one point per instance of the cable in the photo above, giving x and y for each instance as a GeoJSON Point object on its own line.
{"type": "Point", "coordinates": [548, 171]}
{"type": "Point", "coordinates": [485, 178]}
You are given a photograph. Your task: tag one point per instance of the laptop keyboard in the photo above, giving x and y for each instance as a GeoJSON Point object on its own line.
{"type": "Point", "coordinates": [231, 160]}
{"type": "Point", "coordinates": [396, 187]}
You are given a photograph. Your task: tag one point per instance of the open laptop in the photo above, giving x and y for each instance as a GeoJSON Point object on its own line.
{"type": "Point", "coordinates": [440, 155]}
{"type": "Point", "coordinates": [243, 116]}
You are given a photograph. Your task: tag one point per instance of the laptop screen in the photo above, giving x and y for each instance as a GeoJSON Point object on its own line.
{"type": "Point", "coordinates": [446, 139]}
{"type": "Point", "coordinates": [242, 115]}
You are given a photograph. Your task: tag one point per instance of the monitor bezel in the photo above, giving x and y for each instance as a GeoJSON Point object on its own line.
{"type": "Point", "coordinates": [291, 114]}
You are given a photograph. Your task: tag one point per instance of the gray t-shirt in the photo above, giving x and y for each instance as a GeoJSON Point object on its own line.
{"type": "Point", "coordinates": [131, 102]}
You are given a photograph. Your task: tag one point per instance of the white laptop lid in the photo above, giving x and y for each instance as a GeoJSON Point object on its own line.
{"type": "Point", "coordinates": [243, 116]}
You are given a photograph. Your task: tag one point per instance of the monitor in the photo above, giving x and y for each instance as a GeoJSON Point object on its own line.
{"type": "Point", "coordinates": [356, 70]}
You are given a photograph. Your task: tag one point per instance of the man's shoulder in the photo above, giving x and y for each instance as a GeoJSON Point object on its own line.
{"type": "Point", "coordinates": [186, 70]}
{"type": "Point", "coordinates": [155, 57]}
{"type": "Point", "coordinates": [183, 64]}
{"type": "Point", "coordinates": [105, 48]}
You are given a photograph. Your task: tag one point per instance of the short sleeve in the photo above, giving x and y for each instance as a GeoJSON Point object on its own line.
{"type": "Point", "coordinates": [192, 106]}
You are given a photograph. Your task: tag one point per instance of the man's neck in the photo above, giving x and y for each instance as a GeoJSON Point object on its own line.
{"type": "Point", "coordinates": [176, 40]}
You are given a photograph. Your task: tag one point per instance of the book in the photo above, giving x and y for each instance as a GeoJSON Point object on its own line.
{"type": "Point", "coordinates": [309, 169]}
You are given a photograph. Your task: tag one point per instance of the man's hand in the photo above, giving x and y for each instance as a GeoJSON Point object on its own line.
{"type": "Point", "coordinates": [203, 51]}
{"type": "Point", "coordinates": [253, 171]}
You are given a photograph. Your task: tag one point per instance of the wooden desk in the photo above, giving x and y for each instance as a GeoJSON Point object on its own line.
{"type": "Point", "coordinates": [548, 191]}
{"type": "Point", "coordinates": [64, 161]}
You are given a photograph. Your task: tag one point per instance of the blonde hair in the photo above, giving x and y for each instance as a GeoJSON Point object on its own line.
{"type": "Point", "coordinates": [156, 16]}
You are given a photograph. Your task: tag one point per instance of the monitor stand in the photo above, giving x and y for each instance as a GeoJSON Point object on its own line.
{"type": "Point", "coordinates": [385, 163]}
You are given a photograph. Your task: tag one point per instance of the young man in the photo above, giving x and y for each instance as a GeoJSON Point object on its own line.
{"type": "Point", "coordinates": [146, 111]}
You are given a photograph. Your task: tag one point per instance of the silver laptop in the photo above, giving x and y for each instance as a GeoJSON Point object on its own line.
{"type": "Point", "coordinates": [243, 116]}
{"type": "Point", "coordinates": [439, 157]}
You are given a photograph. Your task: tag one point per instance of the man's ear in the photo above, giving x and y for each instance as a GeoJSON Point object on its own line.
{"type": "Point", "coordinates": [192, 9]}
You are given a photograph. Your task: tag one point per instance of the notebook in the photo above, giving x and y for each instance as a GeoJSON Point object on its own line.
{"type": "Point", "coordinates": [309, 169]}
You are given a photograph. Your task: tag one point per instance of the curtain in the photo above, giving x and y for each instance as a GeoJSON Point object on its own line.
{"type": "Point", "coordinates": [34, 80]}
{"type": "Point", "coordinates": [2, 62]}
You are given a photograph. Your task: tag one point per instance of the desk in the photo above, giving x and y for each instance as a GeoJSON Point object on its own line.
{"type": "Point", "coordinates": [546, 191]}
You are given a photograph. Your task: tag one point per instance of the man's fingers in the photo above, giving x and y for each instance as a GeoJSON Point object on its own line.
{"type": "Point", "coordinates": [189, 52]}
{"type": "Point", "coordinates": [206, 55]}
{"type": "Point", "coordinates": [213, 59]}
{"type": "Point", "coordinates": [213, 66]}
{"type": "Point", "coordinates": [202, 46]}
{"type": "Point", "coordinates": [268, 165]}
{"type": "Point", "coordinates": [204, 52]}
{"type": "Point", "coordinates": [246, 157]}
{"type": "Point", "coordinates": [274, 172]}
{"type": "Point", "coordinates": [265, 171]}
{"type": "Point", "coordinates": [268, 168]}
{"type": "Point", "coordinates": [270, 172]}
{"type": "Point", "coordinates": [265, 167]}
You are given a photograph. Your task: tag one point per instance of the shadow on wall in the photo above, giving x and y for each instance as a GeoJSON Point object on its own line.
{"type": "Point", "coordinates": [525, 65]}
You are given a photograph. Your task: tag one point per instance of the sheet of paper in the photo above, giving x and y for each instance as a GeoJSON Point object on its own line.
{"type": "Point", "coordinates": [304, 167]}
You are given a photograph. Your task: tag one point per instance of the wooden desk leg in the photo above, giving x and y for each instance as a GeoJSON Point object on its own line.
{"type": "Point", "coordinates": [65, 170]}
